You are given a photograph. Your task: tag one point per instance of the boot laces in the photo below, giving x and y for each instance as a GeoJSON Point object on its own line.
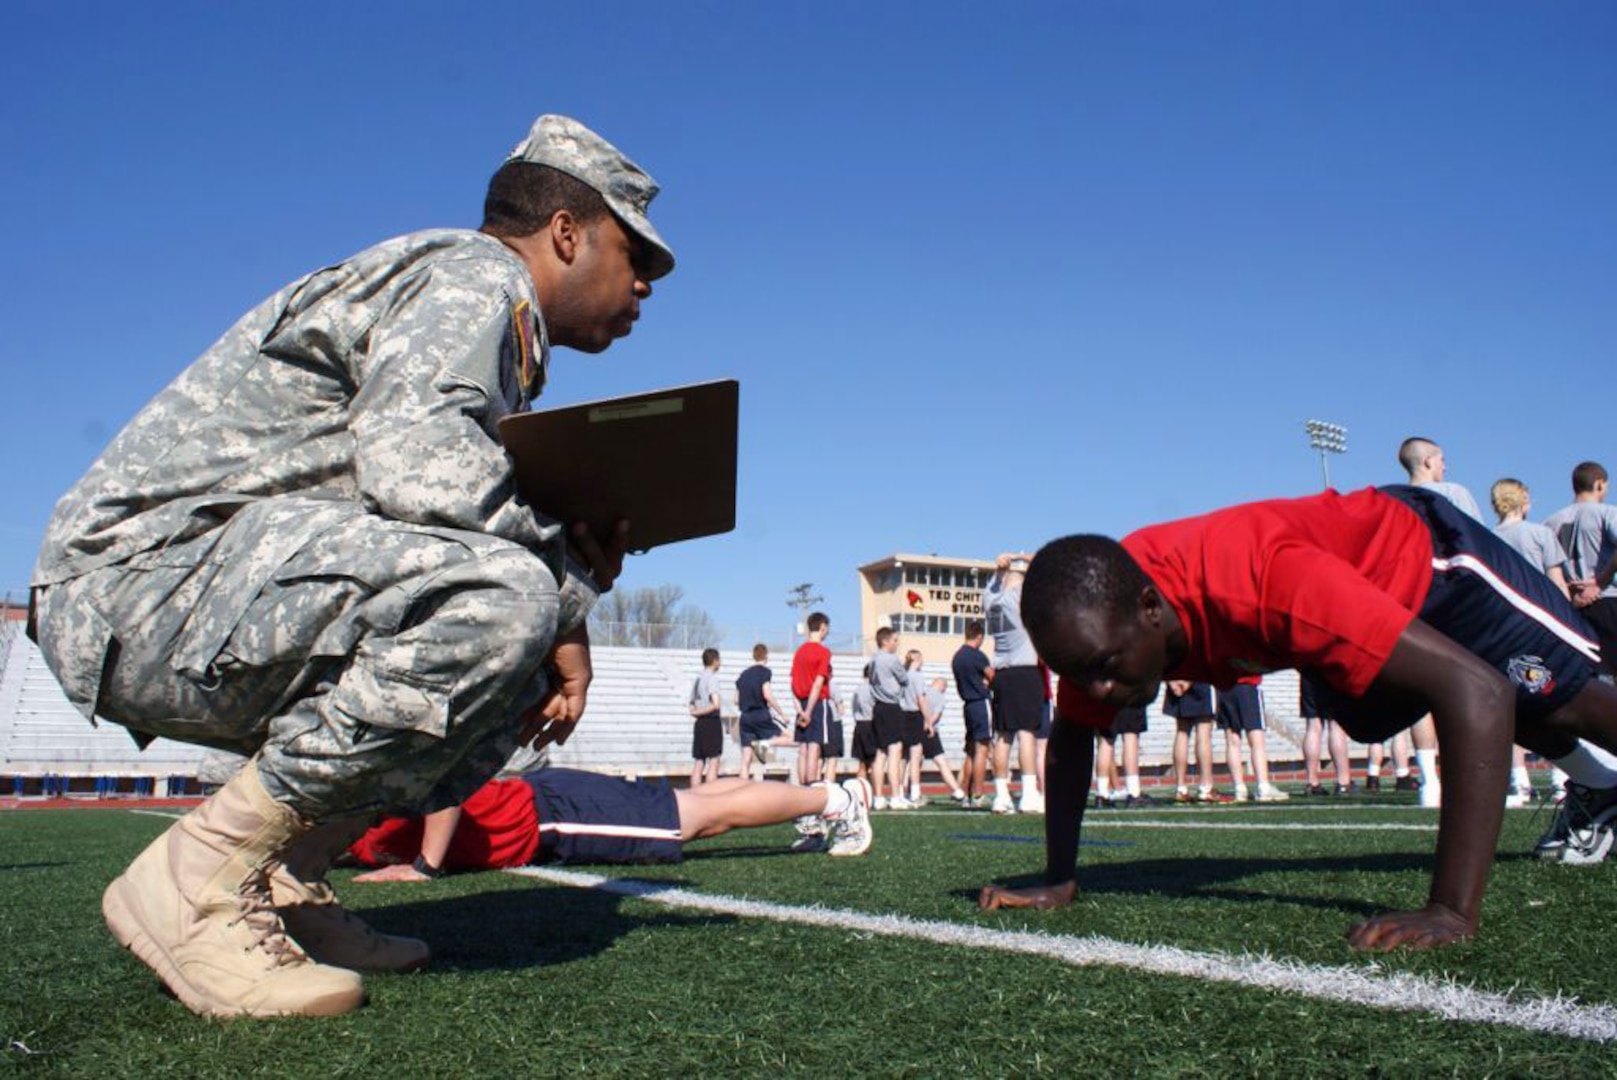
{"type": "Point", "coordinates": [258, 912]}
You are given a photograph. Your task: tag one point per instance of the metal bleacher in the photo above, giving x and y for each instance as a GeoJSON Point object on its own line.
{"type": "Point", "coordinates": [637, 723]}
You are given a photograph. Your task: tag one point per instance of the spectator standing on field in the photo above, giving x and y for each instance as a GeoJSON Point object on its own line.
{"type": "Point", "coordinates": [1587, 529]}
{"type": "Point", "coordinates": [972, 676]}
{"type": "Point", "coordinates": [888, 678]}
{"type": "Point", "coordinates": [707, 737]}
{"type": "Point", "coordinates": [1018, 690]}
{"type": "Point", "coordinates": [761, 719]}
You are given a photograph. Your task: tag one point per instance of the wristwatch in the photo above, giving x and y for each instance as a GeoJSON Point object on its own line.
{"type": "Point", "coordinates": [426, 869]}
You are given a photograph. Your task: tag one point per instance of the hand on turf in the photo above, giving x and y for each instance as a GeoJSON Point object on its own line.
{"type": "Point", "coordinates": [1432, 925]}
{"type": "Point", "coordinates": [604, 560]}
{"type": "Point", "coordinates": [1039, 897]}
{"type": "Point", "coordinates": [396, 872]}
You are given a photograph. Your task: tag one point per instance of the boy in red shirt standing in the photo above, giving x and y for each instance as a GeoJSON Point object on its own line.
{"type": "Point", "coordinates": [1395, 600]}
{"type": "Point", "coordinates": [811, 686]}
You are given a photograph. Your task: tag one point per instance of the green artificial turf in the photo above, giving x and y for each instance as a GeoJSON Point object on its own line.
{"type": "Point", "coordinates": [531, 977]}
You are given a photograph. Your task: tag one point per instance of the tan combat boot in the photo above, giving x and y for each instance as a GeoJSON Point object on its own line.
{"type": "Point", "coordinates": [196, 907]}
{"type": "Point", "coordinates": [328, 932]}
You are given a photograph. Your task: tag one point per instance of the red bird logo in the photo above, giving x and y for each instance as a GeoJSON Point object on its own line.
{"type": "Point", "coordinates": [913, 598]}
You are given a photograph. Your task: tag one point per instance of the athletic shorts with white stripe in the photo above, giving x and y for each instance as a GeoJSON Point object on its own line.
{"type": "Point", "coordinates": [587, 817]}
{"type": "Point", "coordinates": [1492, 602]}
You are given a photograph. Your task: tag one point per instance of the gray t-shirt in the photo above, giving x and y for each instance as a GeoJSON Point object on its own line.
{"type": "Point", "coordinates": [1535, 543]}
{"type": "Point", "coordinates": [1456, 494]}
{"type": "Point", "coordinates": [887, 677]}
{"type": "Point", "coordinates": [935, 701]}
{"type": "Point", "coordinates": [1002, 617]}
{"type": "Point", "coordinates": [1588, 533]}
{"type": "Point", "coordinates": [864, 704]}
{"type": "Point", "coordinates": [910, 699]}
{"type": "Point", "coordinates": [703, 691]}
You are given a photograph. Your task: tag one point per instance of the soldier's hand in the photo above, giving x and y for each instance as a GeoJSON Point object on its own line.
{"type": "Point", "coordinates": [605, 562]}
{"type": "Point", "coordinates": [562, 709]}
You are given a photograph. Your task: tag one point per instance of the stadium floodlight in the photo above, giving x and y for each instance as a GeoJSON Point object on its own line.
{"type": "Point", "coordinates": [1328, 439]}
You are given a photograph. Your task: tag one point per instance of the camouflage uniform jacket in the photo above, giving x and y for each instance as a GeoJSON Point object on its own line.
{"type": "Point", "coordinates": [375, 384]}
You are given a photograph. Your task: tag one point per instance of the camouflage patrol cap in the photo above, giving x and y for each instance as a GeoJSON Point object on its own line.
{"type": "Point", "coordinates": [563, 143]}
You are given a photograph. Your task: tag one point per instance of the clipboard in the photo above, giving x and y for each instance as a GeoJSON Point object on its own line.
{"type": "Point", "coordinates": [665, 461]}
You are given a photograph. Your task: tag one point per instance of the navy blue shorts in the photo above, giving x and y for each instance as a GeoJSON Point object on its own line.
{"type": "Point", "coordinates": [757, 726]}
{"type": "Point", "coordinates": [1492, 602]}
{"type": "Point", "coordinates": [1045, 719]}
{"type": "Point", "coordinates": [887, 724]}
{"type": "Point", "coordinates": [979, 721]}
{"type": "Point", "coordinates": [834, 746]}
{"type": "Point", "coordinates": [821, 716]}
{"type": "Point", "coordinates": [864, 741]}
{"type": "Point", "coordinates": [1240, 708]}
{"type": "Point", "coordinates": [931, 745]}
{"type": "Point", "coordinates": [1018, 699]}
{"type": "Point", "coordinates": [587, 817]}
{"type": "Point", "coordinates": [1195, 703]}
{"type": "Point", "coordinates": [914, 728]}
{"type": "Point", "coordinates": [1311, 704]}
{"type": "Point", "coordinates": [1128, 722]}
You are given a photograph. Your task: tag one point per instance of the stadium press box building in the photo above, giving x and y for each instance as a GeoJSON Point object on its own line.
{"type": "Point", "coordinates": [928, 599]}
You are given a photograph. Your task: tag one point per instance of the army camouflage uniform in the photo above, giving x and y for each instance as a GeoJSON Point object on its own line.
{"type": "Point", "coordinates": [309, 545]}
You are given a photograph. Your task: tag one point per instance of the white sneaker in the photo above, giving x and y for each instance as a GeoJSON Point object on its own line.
{"type": "Point", "coordinates": [1515, 800]}
{"type": "Point", "coordinates": [1003, 805]}
{"type": "Point", "coordinates": [852, 826]}
{"type": "Point", "coordinates": [899, 802]}
{"type": "Point", "coordinates": [763, 751]}
{"type": "Point", "coordinates": [1431, 795]}
{"type": "Point", "coordinates": [1585, 820]}
{"type": "Point", "coordinates": [1270, 793]}
{"type": "Point", "coordinates": [960, 798]}
{"type": "Point", "coordinates": [1242, 794]}
{"type": "Point", "coordinates": [809, 844]}
{"type": "Point", "coordinates": [1032, 803]}
{"type": "Point", "coordinates": [881, 802]}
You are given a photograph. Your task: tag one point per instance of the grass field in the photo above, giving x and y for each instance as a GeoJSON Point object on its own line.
{"type": "Point", "coordinates": [1206, 942]}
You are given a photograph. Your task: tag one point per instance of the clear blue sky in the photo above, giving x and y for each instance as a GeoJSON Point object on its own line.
{"type": "Point", "coordinates": [987, 273]}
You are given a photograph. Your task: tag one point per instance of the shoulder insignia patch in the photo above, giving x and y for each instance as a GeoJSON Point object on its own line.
{"type": "Point", "coordinates": [527, 365]}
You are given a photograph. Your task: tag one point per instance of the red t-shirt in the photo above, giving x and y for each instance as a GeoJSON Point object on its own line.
{"type": "Point", "coordinates": [1326, 583]}
{"type": "Point", "coordinates": [812, 660]}
{"type": "Point", "coordinates": [499, 827]}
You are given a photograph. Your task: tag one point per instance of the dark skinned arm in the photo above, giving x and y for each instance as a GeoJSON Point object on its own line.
{"type": "Point", "coordinates": [1475, 712]}
{"type": "Point", "coordinates": [1069, 762]}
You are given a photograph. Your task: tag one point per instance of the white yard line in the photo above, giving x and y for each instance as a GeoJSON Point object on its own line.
{"type": "Point", "coordinates": [158, 813]}
{"type": "Point", "coordinates": [1256, 826]}
{"type": "Point", "coordinates": [1355, 986]}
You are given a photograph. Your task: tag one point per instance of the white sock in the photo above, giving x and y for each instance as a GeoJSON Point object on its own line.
{"type": "Point", "coordinates": [837, 800]}
{"type": "Point", "coordinates": [1400, 771]}
{"type": "Point", "coordinates": [915, 793]}
{"type": "Point", "coordinates": [1372, 768]}
{"type": "Point", "coordinates": [1030, 786]}
{"type": "Point", "coordinates": [1427, 761]}
{"type": "Point", "coordinates": [1584, 767]}
{"type": "Point", "coordinates": [1133, 783]}
{"type": "Point", "coordinates": [1002, 788]}
{"type": "Point", "coordinates": [1103, 788]}
{"type": "Point", "coordinates": [1519, 778]}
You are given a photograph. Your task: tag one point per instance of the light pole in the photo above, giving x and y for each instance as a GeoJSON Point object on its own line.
{"type": "Point", "coordinates": [802, 597]}
{"type": "Point", "coordinates": [1328, 439]}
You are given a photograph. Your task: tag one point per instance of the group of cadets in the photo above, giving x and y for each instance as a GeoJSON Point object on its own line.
{"type": "Point", "coordinates": [1005, 707]}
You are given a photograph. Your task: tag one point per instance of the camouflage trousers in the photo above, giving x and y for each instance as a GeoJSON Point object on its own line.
{"type": "Point", "coordinates": [370, 664]}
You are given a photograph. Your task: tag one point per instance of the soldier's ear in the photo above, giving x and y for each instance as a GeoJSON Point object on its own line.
{"type": "Point", "coordinates": [565, 235]}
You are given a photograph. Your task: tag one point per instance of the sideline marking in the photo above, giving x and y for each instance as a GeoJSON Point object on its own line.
{"type": "Point", "coordinates": [158, 813]}
{"type": "Point", "coordinates": [1398, 991]}
{"type": "Point", "coordinates": [1255, 826]}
